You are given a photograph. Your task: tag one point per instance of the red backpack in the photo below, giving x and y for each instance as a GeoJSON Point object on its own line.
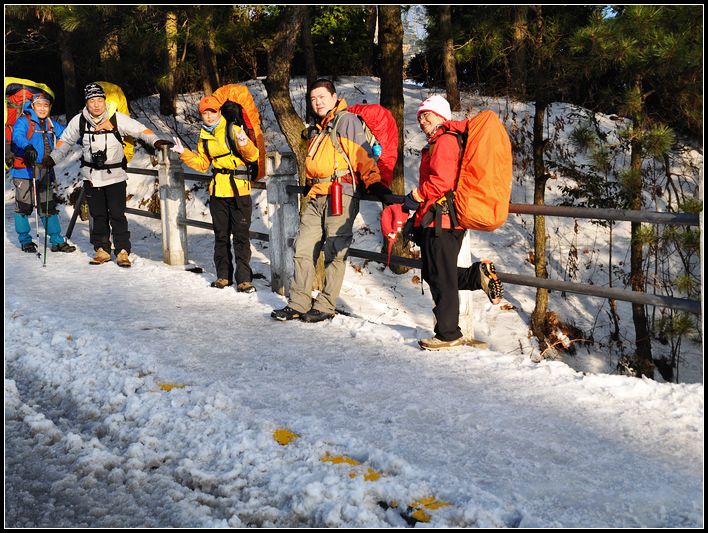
{"type": "Point", "coordinates": [483, 188]}
{"type": "Point", "coordinates": [380, 128]}
{"type": "Point", "coordinates": [18, 92]}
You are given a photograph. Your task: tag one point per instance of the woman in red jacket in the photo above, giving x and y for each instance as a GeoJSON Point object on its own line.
{"type": "Point", "coordinates": [440, 243]}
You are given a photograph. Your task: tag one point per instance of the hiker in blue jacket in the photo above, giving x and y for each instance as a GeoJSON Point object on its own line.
{"type": "Point", "coordinates": [34, 136]}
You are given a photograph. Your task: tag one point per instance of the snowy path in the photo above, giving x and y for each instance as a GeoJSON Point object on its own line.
{"type": "Point", "coordinates": [92, 440]}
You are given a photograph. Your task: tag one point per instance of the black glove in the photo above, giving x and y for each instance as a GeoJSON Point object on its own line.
{"type": "Point", "coordinates": [48, 162]}
{"type": "Point", "coordinates": [309, 132]}
{"type": "Point", "coordinates": [45, 178]}
{"type": "Point", "coordinates": [9, 159]}
{"type": "Point", "coordinates": [410, 203]}
{"type": "Point", "coordinates": [30, 156]}
{"type": "Point", "coordinates": [381, 192]}
{"type": "Point", "coordinates": [232, 112]}
{"type": "Point", "coordinates": [161, 142]}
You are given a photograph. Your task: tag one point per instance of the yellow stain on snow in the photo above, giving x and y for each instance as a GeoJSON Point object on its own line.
{"type": "Point", "coordinates": [339, 459]}
{"type": "Point", "coordinates": [284, 436]}
{"type": "Point", "coordinates": [372, 475]}
{"type": "Point", "coordinates": [169, 386]}
{"type": "Point", "coordinates": [369, 475]}
{"type": "Point", "coordinates": [419, 507]}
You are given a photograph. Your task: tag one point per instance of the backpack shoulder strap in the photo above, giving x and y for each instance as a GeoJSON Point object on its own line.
{"type": "Point", "coordinates": [334, 137]}
{"type": "Point", "coordinates": [230, 141]}
{"type": "Point", "coordinates": [114, 122]}
{"type": "Point", "coordinates": [233, 147]}
{"type": "Point", "coordinates": [30, 128]}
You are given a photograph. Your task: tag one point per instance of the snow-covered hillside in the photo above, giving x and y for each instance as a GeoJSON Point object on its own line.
{"type": "Point", "coordinates": [143, 398]}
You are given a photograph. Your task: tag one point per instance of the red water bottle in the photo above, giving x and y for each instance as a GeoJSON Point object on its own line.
{"type": "Point", "coordinates": [335, 199]}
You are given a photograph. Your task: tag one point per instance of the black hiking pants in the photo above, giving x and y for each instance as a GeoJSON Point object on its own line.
{"type": "Point", "coordinates": [445, 278]}
{"type": "Point", "coordinates": [231, 217]}
{"type": "Point", "coordinates": [107, 210]}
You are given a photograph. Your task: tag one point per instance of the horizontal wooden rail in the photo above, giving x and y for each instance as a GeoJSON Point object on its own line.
{"type": "Point", "coordinates": [687, 219]}
{"type": "Point", "coordinates": [652, 217]}
{"type": "Point", "coordinates": [690, 306]}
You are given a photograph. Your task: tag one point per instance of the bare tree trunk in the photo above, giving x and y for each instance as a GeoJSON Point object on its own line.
{"type": "Point", "coordinates": [110, 56]}
{"type": "Point", "coordinates": [68, 68]}
{"type": "Point", "coordinates": [448, 55]}
{"type": "Point", "coordinates": [391, 41]}
{"type": "Point", "coordinates": [518, 66]}
{"type": "Point", "coordinates": [203, 67]}
{"type": "Point", "coordinates": [310, 63]}
{"type": "Point", "coordinates": [214, 77]}
{"type": "Point", "coordinates": [538, 317]}
{"type": "Point", "coordinates": [645, 365]}
{"type": "Point", "coordinates": [372, 25]}
{"type": "Point", "coordinates": [277, 83]}
{"type": "Point", "coordinates": [168, 93]}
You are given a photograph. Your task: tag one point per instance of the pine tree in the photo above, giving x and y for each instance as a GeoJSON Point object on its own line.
{"type": "Point", "coordinates": [633, 48]}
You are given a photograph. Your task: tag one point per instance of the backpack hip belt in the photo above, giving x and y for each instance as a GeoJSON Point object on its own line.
{"type": "Point", "coordinates": [233, 175]}
{"type": "Point", "coordinates": [233, 172]}
{"type": "Point", "coordinates": [445, 205]}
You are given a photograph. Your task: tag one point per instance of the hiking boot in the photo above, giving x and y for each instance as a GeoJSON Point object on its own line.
{"type": "Point", "coordinates": [438, 344]}
{"type": "Point", "coordinates": [63, 247]}
{"type": "Point", "coordinates": [491, 284]}
{"type": "Point", "coordinates": [101, 257]}
{"type": "Point", "coordinates": [29, 247]}
{"type": "Point", "coordinates": [314, 315]}
{"type": "Point", "coordinates": [245, 287]}
{"type": "Point", "coordinates": [122, 259]}
{"type": "Point", "coordinates": [286, 313]}
{"type": "Point", "coordinates": [220, 283]}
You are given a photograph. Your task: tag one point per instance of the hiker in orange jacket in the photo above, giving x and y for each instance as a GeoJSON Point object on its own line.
{"type": "Point", "coordinates": [439, 242]}
{"type": "Point", "coordinates": [320, 229]}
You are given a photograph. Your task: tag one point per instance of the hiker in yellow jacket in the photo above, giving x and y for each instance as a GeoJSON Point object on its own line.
{"type": "Point", "coordinates": [230, 201]}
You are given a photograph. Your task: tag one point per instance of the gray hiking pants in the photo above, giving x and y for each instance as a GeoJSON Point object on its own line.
{"type": "Point", "coordinates": [320, 232]}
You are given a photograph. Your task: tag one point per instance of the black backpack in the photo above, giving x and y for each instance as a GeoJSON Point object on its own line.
{"type": "Point", "coordinates": [234, 114]}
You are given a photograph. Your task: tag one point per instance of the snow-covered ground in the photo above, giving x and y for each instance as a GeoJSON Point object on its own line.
{"type": "Point", "coordinates": [95, 439]}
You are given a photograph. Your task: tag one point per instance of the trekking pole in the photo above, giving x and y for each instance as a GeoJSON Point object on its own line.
{"type": "Point", "coordinates": [77, 210]}
{"type": "Point", "coordinates": [46, 216]}
{"type": "Point", "coordinates": [34, 201]}
{"type": "Point", "coordinates": [36, 204]}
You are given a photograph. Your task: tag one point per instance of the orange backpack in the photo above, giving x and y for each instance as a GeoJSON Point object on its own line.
{"type": "Point", "coordinates": [483, 188]}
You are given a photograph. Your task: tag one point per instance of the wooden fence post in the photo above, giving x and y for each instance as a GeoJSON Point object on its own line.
{"type": "Point", "coordinates": [173, 207]}
{"type": "Point", "coordinates": [284, 215]}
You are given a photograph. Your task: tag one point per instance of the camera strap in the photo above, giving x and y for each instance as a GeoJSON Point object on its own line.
{"type": "Point", "coordinates": [92, 133]}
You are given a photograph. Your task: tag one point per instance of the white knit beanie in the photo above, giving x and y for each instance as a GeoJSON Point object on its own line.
{"type": "Point", "coordinates": [438, 105]}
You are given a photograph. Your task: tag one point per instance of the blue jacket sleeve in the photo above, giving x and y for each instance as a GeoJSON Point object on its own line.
{"type": "Point", "coordinates": [58, 130]}
{"type": "Point", "coordinates": [19, 133]}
